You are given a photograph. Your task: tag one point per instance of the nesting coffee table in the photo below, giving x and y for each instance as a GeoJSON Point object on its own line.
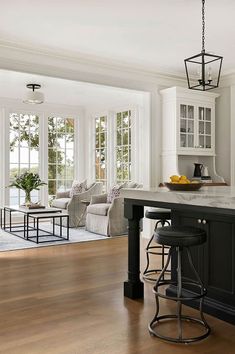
{"type": "Point", "coordinates": [33, 232]}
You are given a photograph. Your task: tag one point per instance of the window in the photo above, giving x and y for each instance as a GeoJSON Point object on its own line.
{"type": "Point", "coordinates": [60, 154]}
{"type": "Point", "coordinates": [24, 151]}
{"type": "Point", "coordinates": [113, 148]}
{"type": "Point", "coordinates": [123, 146]}
{"type": "Point", "coordinates": [101, 150]}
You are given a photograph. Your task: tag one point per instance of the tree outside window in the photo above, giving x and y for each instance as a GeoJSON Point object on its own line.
{"type": "Point", "coordinates": [60, 154]}
{"type": "Point", "coordinates": [101, 150]}
{"type": "Point", "coordinates": [123, 146]}
{"type": "Point", "coordinates": [120, 147]}
{"type": "Point", "coordinates": [24, 151]}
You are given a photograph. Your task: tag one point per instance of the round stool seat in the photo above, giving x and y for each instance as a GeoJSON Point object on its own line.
{"type": "Point", "coordinates": [158, 214]}
{"type": "Point", "coordinates": [179, 236]}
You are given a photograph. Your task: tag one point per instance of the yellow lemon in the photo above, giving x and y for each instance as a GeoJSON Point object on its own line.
{"type": "Point", "coordinates": [183, 177]}
{"type": "Point", "coordinates": [184, 181]}
{"type": "Point", "coordinates": [174, 178]}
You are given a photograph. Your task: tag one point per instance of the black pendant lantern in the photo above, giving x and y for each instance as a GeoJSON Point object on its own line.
{"type": "Point", "coordinates": [203, 69]}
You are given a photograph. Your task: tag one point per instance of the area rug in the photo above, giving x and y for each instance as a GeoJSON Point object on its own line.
{"type": "Point", "coordinates": [10, 242]}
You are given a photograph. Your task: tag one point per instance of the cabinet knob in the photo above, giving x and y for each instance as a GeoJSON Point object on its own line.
{"type": "Point", "coordinates": [199, 221]}
{"type": "Point", "coordinates": [204, 221]}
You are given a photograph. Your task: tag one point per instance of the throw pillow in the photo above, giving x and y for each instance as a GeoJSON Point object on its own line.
{"type": "Point", "coordinates": [78, 187]}
{"type": "Point", "coordinates": [114, 192]}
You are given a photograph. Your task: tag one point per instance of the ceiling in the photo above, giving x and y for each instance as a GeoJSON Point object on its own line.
{"type": "Point", "coordinates": [155, 35]}
{"type": "Point", "coordinates": [90, 96]}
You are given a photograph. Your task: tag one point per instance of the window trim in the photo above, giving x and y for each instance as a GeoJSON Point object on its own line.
{"type": "Point", "coordinates": [99, 148]}
{"type": "Point", "coordinates": [19, 148]}
{"type": "Point", "coordinates": [10, 105]}
{"type": "Point", "coordinates": [64, 118]}
{"type": "Point", "coordinates": [112, 143]}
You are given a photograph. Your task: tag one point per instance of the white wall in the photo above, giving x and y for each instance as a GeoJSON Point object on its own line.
{"type": "Point", "coordinates": [232, 134]}
{"type": "Point", "coordinates": [222, 133]}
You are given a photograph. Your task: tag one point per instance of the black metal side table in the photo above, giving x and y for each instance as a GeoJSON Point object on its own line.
{"type": "Point", "coordinates": [25, 228]}
{"type": "Point", "coordinates": [38, 217]}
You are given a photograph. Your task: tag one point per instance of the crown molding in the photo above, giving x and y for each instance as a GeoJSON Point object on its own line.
{"type": "Point", "coordinates": [87, 58]}
{"type": "Point", "coordinates": [19, 57]}
{"type": "Point", "coordinates": [27, 54]}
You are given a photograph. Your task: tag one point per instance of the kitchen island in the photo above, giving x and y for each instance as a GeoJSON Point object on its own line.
{"type": "Point", "coordinates": [210, 208]}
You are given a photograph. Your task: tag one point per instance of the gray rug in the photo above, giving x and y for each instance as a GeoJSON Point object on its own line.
{"type": "Point", "coordinates": [10, 242]}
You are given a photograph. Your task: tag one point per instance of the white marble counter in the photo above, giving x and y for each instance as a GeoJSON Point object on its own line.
{"type": "Point", "coordinates": [215, 197]}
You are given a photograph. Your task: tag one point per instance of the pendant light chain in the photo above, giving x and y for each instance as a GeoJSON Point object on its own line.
{"type": "Point", "coordinates": [203, 69]}
{"type": "Point", "coordinates": [203, 26]}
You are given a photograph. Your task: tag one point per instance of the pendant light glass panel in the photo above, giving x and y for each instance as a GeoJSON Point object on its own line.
{"type": "Point", "coordinates": [203, 71]}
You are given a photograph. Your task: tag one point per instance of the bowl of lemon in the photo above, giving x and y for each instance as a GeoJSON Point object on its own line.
{"type": "Point", "coordinates": [182, 183]}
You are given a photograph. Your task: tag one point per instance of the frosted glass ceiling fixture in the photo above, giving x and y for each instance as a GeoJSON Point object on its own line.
{"type": "Point", "coordinates": [32, 96]}
{"type": "Point", "coordinates": [204, 68]}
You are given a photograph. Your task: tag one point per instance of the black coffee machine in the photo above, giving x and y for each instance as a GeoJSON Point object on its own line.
{"type": "Point", "coordinates": [198, 170]}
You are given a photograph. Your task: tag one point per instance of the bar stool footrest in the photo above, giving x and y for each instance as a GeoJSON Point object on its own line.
{"type": "Point", "coordinates": [181, 298]}
{"type": "Point", "coordinates": [156, 321]}
{"type": "Point", "coordinates": [147, 275]}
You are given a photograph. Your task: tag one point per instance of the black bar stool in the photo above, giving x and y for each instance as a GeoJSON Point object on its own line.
{"type": "Point", "coordinates": [179, 238]}
{"type": "Point", "coordinates": [162, 215]}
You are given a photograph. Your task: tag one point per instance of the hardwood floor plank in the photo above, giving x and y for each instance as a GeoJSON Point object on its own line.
{"type": "Point", "coordinates": [68, 299]}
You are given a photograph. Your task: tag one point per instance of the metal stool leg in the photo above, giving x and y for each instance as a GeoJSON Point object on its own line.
{"type": "Point", "coordinates": [159, 280]}
{"type": "Point", "coordinates": [203, 290]}
{"type": "Point", "coordinates": [148, 274]}
{"type": "Point", "coordinates": [147, 254]}
{"type": "Point", "coordinates": [179, 292]}
{"type": "Point", "coordinates": [179, 299]}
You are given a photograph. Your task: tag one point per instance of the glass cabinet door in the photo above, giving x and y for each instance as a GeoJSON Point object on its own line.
{"type": "Point", "coordinates": [204, 127]}
{"type": "Point", "coordinates": [187, 126]}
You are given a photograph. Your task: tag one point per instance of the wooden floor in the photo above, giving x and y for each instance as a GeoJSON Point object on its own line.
{"type": "Point", "coordinates": [69, 299]}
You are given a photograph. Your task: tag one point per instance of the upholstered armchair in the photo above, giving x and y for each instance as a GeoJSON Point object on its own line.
{"type": "Point", "coordinates": [74, 205]}
{"type": "Point", "coordinates": [106, 218]}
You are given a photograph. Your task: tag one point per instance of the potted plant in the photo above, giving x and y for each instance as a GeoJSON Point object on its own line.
{"type": "Point", "coordinates": [27, 181]}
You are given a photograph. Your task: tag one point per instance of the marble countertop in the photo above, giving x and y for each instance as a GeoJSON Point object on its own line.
{"type": "Point", "coordinates": [215, 197]}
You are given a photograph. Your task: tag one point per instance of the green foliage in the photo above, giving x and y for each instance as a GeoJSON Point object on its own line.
{"type": "Point", "coordinates": [60, 167]}
{"type": "Point", "coordinates": [24, 129]}
{"type": "Point", "coordinates": [28, 125]}
{"type": "Point", "coordinates": [27, 181]}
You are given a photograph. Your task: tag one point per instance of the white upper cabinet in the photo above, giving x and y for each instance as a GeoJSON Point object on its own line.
{"type": "Point", "coordinates": [188, 121]}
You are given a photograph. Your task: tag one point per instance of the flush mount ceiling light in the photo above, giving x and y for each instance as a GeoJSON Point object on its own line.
{"type": "Point", "coordinates": [204, 68]}
{"type": "Point", "coordinates": [34, 97]}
